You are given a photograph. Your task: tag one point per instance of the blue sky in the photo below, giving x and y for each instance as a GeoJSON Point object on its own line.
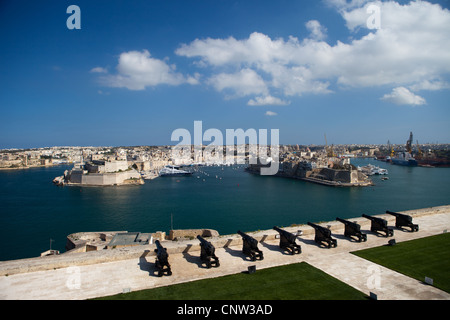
{"type": "Point", "coordinates": [137, 70]}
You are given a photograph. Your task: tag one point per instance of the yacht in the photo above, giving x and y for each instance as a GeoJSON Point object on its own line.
{"type": "Point", "coordinates": [371, 170]}
{"type": "Point", "coordinates": [171, 170]}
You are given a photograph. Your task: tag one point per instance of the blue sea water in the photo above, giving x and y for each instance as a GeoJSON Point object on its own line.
{"type": "Point", "coordinates": [33, 210]}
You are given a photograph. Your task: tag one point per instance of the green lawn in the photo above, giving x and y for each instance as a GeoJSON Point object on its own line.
{"type": "Point", "coordinates": [426, 257]}
{"type": "Point", "coordinates": [299, 281]}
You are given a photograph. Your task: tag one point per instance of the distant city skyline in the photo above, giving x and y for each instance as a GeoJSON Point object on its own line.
{"type": "Point", "coordinates": [359, 72]}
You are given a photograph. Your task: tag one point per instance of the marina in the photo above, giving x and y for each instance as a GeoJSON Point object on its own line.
{"type": "Point", "coordinates": [35, 210]}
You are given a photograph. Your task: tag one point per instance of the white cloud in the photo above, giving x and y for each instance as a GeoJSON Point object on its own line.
{"type": "Point", "coordinates": [243, 83]}
{"type": "Point", "coordinates": [99, 70]}
{"type": "Point", "coordinates": [271, 113]}
{"type": "Point", "coordinates": [432, 85]}
{"type": "Point", "coordinates": [138, 70]}
{"type": "Point", "coordinates": [318, 31]}
{"type": "Point", "coordinates": [267, 100]}
{"type": "Point", "coordinates": [409, 50]}
{"type": "Point", "coordinates": [402, 96]}
{"type": "Point", "coordinates": [346, 5]}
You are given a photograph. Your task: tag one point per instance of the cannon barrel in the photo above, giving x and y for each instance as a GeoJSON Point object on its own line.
{"type": "Point", "coordinates": [162, 263]}
{"type": "Point", "coordinates": [370, 217]}
{"type": "Point", "coordinates": [320, 229]}
{"type": "Point", "coordinates": [208, 253]}
{"type": "Point", "coordinates": [379, 224]}
{"type": "Point", "coordinates": [248, 238]}
{"type": "Point", "coordinates": [352, 229]}
{"type": "Point", "coordinates": [287, 241]}
{"type": "Point", "coordinates": [202, 240]}
{"type": "Point", "coordinates": [403, 220]}
{"type": "Point", "coordinates": [396, 214]}
{"type": "Point", "coordinates": [401, 216]}
{"type": "Point", "coordinates": [243, 235]}
{"type": "Point", "coordinates": [250, 246]}
{"type": "Point", "coordinates": [316, 226]}
{"type": "Point", "coordinates": [160, 250]}
{"type": "Point", "coordinates": [343, 220]}
{"type": "Point", "coordinates": [278, 229]}
{"type": "Point", "coordinates": [351, 224]}
{"type": "Point", "coordinates": [323, 235]}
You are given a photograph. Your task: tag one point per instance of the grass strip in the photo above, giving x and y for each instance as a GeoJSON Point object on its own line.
{"type": "Point", "coordinates": [299, 281]}
{"type": "Point", "coordinates": [420, 258]}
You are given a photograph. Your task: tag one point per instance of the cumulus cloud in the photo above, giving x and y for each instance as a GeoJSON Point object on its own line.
{"type": "Point", "coordinates": [345, 4]}
{"type": "Point", "coordinates": [271, 113]}
{"type": "Point", "coordinates": [318, 31]}
{"type": "Point", "coordinates": [267, 100]}
{"type": "Point", "coordinates": [431, 85]}
{"type": "Point", "coordinates": [137, 70]}
{"type": "Point", "coordinates": [409, 52]}
{"type": "Point", "coordinates": [243, 83]}
{"type": "Point", "coordinates": [410, 49]}
{"type": "Point", "coordinates": [403, 96]}
{"type": "Point", "coordinates": [99, 70]}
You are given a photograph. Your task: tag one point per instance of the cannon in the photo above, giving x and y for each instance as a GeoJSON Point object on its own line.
{"type": "Point", "coordinates": [162, 262]}
{"type": "Point", "coordinates": [323, 235]}
{"type": "Point", "coordinates": [379, 224]}
{"type": "Point", "coordinates": [250, 247]}
{"type": "Point", "coordinates": [352, 229]}
{"type": "Point", "coordinates": [207, 254]}
{"type": "Point", "coordinates": [403, 220]}
{"type": "Point", "coordinates": [287, 241]}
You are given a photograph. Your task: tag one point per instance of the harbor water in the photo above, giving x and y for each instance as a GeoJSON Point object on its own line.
{"type": "Point", "coordinates": [34, 213]}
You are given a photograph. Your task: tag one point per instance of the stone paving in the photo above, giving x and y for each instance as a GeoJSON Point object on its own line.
{"type": "Point", "coordinates": [81, 278]}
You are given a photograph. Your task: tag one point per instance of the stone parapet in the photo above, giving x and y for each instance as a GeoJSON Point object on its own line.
{"type": "Point", "coordinates": [184, 246]}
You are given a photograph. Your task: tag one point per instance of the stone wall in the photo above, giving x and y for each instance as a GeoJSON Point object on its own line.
{"type": "Point", "coordinates": [191, 233]}
{"type": "Point", "coordinates": [102, 179]}
{"type": "Point", "coordinates": [101, 256]}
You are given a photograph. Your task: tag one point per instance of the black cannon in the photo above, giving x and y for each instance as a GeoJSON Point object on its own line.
{"type": "Point", "coordinates": [207, 254]}
{"type": "Point", "coordinates": [403, 220]}
{"type": "Point", "coordinates": [379, 224]}
{"type": "Point", "coordinates": [250, 247]}
{"type": "Point", "coordinates": [352, 229]}
{"type": "Point", "coordinates": [162, 262]}
{"type": "Point", "coordinates": [287, 241]}
{"type": "Point", "coordinates": [323, 235]}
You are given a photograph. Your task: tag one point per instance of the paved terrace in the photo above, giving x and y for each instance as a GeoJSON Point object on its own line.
{"type": "Point", "coordinates": [99, 273]}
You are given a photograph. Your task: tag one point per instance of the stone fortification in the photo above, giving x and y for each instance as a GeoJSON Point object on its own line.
{"type": "Point", "coordinates": [185, 246]}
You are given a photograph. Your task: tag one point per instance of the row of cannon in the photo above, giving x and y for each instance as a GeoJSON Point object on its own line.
{"type": "Point", "coordinates": [288, 240]}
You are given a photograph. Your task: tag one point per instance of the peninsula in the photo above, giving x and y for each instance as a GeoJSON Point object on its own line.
{"type": "Point", "coordinates": [317, 166]}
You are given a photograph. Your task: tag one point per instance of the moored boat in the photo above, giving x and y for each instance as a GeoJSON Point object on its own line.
{"type": "Point", "coordinates": [171, 170]}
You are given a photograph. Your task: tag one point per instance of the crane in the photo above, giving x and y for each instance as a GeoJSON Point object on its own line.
{"type": "Point", "coordinates": [390, 149]}
{"type": "Point", "coordinates": [409, 143]}
{"type": "Point", "coordinates": [419, 152]}
{"type": "Point", "coordinates": [330, 152]}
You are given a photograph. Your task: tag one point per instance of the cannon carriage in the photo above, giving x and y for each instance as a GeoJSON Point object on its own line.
{"type": "Point", "coordinates": [323, 236]}
{"type": "Point", "coordinates": [207, 253]}
{"type": "Point", "coordinates": [352, 229]}
{"type": "Point", "coordinates": [287, 241]}
{"type": "Point", "coordinates": [162, 260]}
{"type": "Point", "coordinates": [379, 225]}
{"type": "Point", "coordinates": [250, 247]}
{"type": "Point", "coordinates": [403, 220]}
